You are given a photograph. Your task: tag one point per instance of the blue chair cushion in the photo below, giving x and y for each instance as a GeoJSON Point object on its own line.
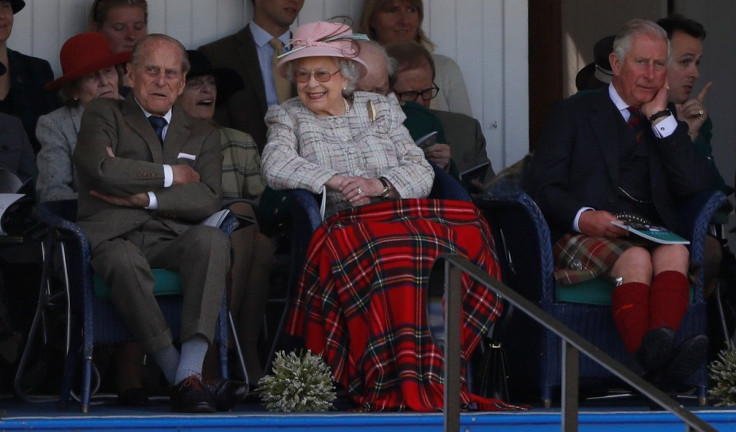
{"type": "Point", "coordinates": [593, 292]}
{"type": "Point", "coordinates": [167, 283]}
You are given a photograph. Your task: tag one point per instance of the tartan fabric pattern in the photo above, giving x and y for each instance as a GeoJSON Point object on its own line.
{"type": "Point", "coordinates": [579, 258]}
{"type": "Point", "coordinates": [361, 300]}
{"type": "Point", "coordinates": [241, 165]}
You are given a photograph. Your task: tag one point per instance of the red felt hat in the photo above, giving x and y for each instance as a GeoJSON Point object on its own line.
{"type": "Point", "coordinates": [84, 54]}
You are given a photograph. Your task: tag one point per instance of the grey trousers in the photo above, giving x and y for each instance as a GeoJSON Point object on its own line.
{"type": "Point", "coordinates": [201, 256]}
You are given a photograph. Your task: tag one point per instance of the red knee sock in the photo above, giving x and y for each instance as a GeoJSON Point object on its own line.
{"type": "Point", "coordinates": [630, 307]}
{"type": "Point", "coordinates": [668, 300]}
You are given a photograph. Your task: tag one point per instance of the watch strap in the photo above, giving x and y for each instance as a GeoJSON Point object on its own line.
{"type": "Point", "coordinates": [659, 114]}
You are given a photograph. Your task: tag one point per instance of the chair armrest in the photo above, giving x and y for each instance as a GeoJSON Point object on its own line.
{"type": "Point", "coordinates": [524, 235]}
{"type": "Point", "coordinates": [696, 214]}
{"type": "Point", "coordinates": [446, 187]}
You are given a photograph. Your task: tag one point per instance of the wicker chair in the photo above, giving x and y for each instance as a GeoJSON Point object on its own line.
{"type": "Point", "coordinates": [306, 219]}
{"type": "Point", "coordinates": [535, 359]}
{"type": "Point", "coordinates": [93, 319]}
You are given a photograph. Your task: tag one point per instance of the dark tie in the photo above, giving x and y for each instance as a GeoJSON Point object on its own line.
{"type": "Point", "coordinates": [637, 123]}
{"type": "Point", "coordinates": [158, 124]}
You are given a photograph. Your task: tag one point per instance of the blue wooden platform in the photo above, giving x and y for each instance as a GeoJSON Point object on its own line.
{"type": "Point", "coordinates": [109, 416]}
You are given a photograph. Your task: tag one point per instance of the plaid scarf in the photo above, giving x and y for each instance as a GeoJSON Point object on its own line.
{"type": "Point", "coordinates": [361, 300]}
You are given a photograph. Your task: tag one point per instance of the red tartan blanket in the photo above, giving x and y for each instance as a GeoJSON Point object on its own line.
{"type": "Point", "coordinates": [361, 300]}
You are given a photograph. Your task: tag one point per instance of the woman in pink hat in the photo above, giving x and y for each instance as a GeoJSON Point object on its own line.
{"type": "Point", "coordinates": [360, 300]}
{"type": "Point", "coordinates": [89, 71]}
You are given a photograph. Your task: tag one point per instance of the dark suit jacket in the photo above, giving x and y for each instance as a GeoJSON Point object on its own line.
{"type": "Point", "coordinates": [138, 167]}
{"type": "Point", "coordinates": [27, 99]}
{"type": "Point", "coordinates": [466, 138]}
{"type": "Point", "coordinates": [246, 109]}
{"type": "Point", "coordinates": [16, 153]}
{"type": "Point", "coordinates": [576, 162]}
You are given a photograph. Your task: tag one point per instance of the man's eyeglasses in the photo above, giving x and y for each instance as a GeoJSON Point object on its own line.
{"type": "Point", "coordinates": [303, 76]}
{"type": "Point", "coordinates": [412, 95]}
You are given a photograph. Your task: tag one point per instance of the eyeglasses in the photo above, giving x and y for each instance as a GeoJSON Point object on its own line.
{"type": "Point", "coordinates": [199, 82]}
{"type": "Point", "coordinates": [303, 76]}
{"type": "Point", "coordinates": [412, 95]}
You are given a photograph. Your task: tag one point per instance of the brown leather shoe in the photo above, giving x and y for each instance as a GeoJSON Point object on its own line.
{"type": "Point", "coordinates": [190, 395]}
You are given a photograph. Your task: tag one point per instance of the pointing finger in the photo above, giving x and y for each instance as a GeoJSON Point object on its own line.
{"type": "Point", "coordinates": [703, 92]}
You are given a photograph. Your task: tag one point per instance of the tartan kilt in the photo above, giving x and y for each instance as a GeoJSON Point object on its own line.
{"type": "Point", "coordinates": [580, 258]}
{"type": "Point", "coordinates": [361, 300]}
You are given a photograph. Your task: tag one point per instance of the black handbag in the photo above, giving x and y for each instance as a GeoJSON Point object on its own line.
{"type": "Point", "coordinates": [494, 376]}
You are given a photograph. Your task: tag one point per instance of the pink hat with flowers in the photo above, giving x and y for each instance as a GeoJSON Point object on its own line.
{"type": "Point", "coordinates": [323, 39]}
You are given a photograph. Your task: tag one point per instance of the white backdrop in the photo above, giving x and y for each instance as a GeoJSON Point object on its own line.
{"type": "Point", "coordinates": [488, 39]}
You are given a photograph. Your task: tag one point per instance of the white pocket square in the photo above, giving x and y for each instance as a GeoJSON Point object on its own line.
{"type": "Point", "coordinates": [186, 156]}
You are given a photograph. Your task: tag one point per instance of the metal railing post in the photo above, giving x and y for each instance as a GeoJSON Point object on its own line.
{"type": "Point", "coordinates": [451, 267]}
{"type": "Point", "coordinates": [453, 325]}
{"type": "Point", "coordinates": [570, 379]}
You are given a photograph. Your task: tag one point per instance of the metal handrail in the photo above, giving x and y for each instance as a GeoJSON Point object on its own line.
{"type": "Point", "coordinates": [446, 279]}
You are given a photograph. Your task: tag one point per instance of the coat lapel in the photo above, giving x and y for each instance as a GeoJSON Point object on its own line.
{"type": "Point", "coordinates": [176, 135]}
{"type": "Point", "coordinates": [607, 125]}
{"type": "Point", "coordinates": [249, 57]}
{"type": "Point", "coordinates": [136, 120]}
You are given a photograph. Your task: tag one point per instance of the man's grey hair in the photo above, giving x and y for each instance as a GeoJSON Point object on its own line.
{"type": "Point", "coordinates": [622, 43]}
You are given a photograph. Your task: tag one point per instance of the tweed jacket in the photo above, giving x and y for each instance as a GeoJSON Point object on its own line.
{"type": "Point", "coordinates": [57, 132]}
{"type": "Point", "coordinates": [137, 167]}
{"type": "Point", "coordinates": [577, 162]}
{"type": "Point", "coordinates": [246, 109]}
{"type": "Point", "coordinates": [305, 150]}
{"type": "Point", "coordinates": [241, 165]}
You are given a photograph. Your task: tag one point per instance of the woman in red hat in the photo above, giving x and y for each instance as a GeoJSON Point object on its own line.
{"type": "Point", "coordinates": [89, 71]}
{"type": "Point", "coordinates": [21, 89]}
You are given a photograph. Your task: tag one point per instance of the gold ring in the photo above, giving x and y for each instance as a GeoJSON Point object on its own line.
{"type": "Point", "coordinates": [359, 191]}
{"type": "Point", "coordinates": [700, 112]}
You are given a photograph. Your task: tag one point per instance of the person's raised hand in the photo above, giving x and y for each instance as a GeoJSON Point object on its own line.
{"type": "Point", "coordinates": [658, 103]}
{"type": "Point", "coordinates": [693, 112]}
{"type": "Point", "coordinates": [439, 154]}
{"type": "Point", "coordinates": [184, 174]}
{"type": "Point", "coordinates": [597, 223]}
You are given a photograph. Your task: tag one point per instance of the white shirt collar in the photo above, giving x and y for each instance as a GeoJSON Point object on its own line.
{"type": "Point", "coordinates": [167, 116]}
{"type": "Point", "coordinates": [262, 37]}
{"type": "Point", "coordinates": [620, 104]}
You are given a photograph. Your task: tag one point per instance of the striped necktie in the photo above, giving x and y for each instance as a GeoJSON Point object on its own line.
{"type": "Point", "coordinates": [283, 86]}
{"type": "Point", "coordinates": [637, 123]}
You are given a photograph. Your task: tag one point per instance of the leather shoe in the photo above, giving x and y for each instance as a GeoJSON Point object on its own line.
{"type": "Point", "coordinates": [227, 393]}
{"type": "Point", "coordinates": [687, 358]}
{"type": "Point", "coordinates": [656, 349]}
{"type": "Point", "coordinates": [190, 395]}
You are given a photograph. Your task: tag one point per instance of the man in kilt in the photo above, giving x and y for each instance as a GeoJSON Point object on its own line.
{"type": "Point", "coordinates": [619, 151]}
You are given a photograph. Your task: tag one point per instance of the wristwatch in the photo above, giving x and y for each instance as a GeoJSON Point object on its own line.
{"type": "Point", "coordinates": [386, 187]}
{"type": "Point", "coordinates": [659, 114]}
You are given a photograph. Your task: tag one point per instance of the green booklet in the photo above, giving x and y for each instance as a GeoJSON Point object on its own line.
{"type": "Point", "coordinates": [657, 234]}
